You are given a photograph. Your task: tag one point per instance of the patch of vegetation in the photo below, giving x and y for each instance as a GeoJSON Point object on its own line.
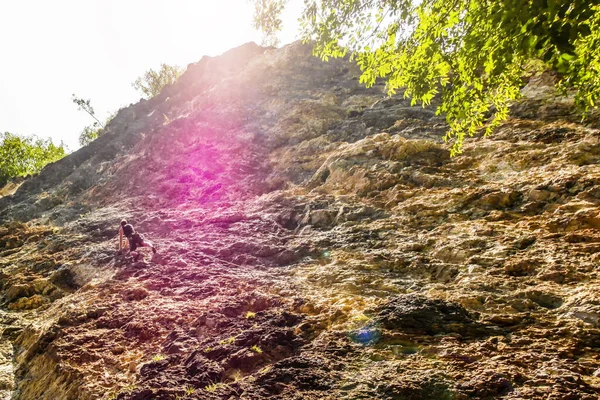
{"type": "Point", "coordinates": [213, 387]}
{"type": "Point", "coordinates": [96, 129]}
{"type": "Point", "coordinates": [159, 357]}
{"type": "Point", "coordinates": [265, 369]}
{"type": "Point", "coordinates": [153, 82]}
{"type": "Point", "coordinates": [256, 349]}
{"type": "Point", "coordinates": [237, 375]}
{"type": "Point", "coordinates": [250, 315]}
{"type": "Point", "coordinates": [229, 340]}
{"type": "Point", "coordinates": [189, 390]}
{"type": "Point", "coordinates": [129, 388]}
{"type": "Point", "coordinates": [26, 155]}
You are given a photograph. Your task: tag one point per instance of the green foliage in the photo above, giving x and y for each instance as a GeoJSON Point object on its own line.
{"type": "Point", "coordinates": [152, 82]}
{"type": "Point", "coordinates": [212, 387]}
{"type": "Point", "coordinates": [25, 155]}
{"type": "Point", "coordinates": [256, 349]}
{"type": "Point", "coordinates": [129, 388]}
{"type": "Point", "coordinates": [472, 55]}
{"type": "Point", "coordinates": [89, 134]}
{"type": "Point", "coordinates": [237, 375]}
{"type": "Point", "coordinates": [189, 390]}
{"type": "Point", "coordinates": [93, 131]}
{"type": "Point", "coordinates": [84, 105]}
{"type": "Point", "coordinates": [267, 19]}
{"type": "Point", "coordinates": [229, 340]}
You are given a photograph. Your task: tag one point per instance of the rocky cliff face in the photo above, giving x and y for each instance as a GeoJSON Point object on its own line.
{"type": "Point", "coordinates": [316, 241]}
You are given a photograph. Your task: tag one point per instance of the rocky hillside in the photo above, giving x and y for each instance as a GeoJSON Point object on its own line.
{"type": "Point", "coordinates": [316, 241]}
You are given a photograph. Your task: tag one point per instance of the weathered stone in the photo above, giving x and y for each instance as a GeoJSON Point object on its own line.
{"type": "Point", "coordinates": [28, 303]}
{"type": "Point", "coordinates": [419, 314]}
{"type": "Point", "coordinates": [270, 182]}
{"type": "Point", "coordinates": [520, 267]}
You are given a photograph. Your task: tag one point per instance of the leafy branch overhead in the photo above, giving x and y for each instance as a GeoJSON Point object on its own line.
{"type": "Point", "coordinates": [267, 19]}
{"type": "Point", "coordinates": [471, 54]}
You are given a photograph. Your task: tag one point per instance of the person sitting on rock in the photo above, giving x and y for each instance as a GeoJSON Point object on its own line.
{"type": "Point", "coordinates": [134, 238]}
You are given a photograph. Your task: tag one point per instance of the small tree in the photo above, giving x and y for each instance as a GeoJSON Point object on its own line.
{"type": "Point", "coordinates": [84, 105]}
{"type": "Point", "coordinates": [25, 155]}
{"type": "Point", "coordinates": [152, 82]}
{"type": "Point", "coordinates": [90, 132]}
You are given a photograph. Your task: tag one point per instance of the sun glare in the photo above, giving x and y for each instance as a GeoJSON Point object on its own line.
{"type": "Point", "coordinates": [99, 48]}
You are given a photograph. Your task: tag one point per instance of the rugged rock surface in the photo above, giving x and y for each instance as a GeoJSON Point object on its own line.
{"type": "Point", "coordinates": [315, 241]}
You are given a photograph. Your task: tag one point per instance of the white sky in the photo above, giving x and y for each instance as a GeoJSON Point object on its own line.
{"type": "Point", "coordinates": [50, 49]}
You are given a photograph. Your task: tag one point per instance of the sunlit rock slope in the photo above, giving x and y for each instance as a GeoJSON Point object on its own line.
{"type": "Point", "coordinates": [316, 241]}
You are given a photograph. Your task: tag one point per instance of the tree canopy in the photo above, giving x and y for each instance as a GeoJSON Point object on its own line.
{"type": "Point", "coordinates": [152, 82]}
{"type": "Point", "coordinates": [471, 54]}
{"type": "Point", "coordinates": [25, 155]}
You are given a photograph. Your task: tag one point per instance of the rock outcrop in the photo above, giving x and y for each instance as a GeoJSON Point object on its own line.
{"type": "Point", "coordinates": [315, 241]}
